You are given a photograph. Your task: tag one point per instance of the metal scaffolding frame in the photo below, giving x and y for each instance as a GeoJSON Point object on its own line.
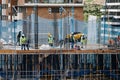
{"type": "Point", "coordinates": [48, 65]}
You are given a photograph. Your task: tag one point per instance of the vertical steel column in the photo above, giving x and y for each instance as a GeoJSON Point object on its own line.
{"type": "Point", "coordinates": [61, 32]}
{"type": "Point", "coordinates": [0, 20]}
{"type": "Point", "coordinates": [98, 34]}
{"type": "Point", "coordinates": [15, 21]}
{"type": "Point", "coordinates": [72, 20]}
{"type": "Point", "coordinates": [55, 29]}
{"type": "Point", "coordinates": [104, 56]}
{"type": "Point", "coordinates": [110, 65]}
{"type": "Point", "coordinates": [15, 63]}
{"type": "Point", "coordinates": [29, 28]}
{"type": "Point", "coordinates": [117, 65]}
{"type": "Point", "coordinates": [104, 22]}
{"type": "Point", "coordinates": [61, 55]}
{"type": "Point", "coordinates": [61, 26]}
{"type": "Point", "coordinates": [15, 67]}
{"type": "Point", "coordinates": [36, 26]}
{"type": "Point", "coordinates": [68, 27]}
{"type": "Point", "coordinates": [6, 65]}
{"type": "Point", "coordinates": [61, 64]}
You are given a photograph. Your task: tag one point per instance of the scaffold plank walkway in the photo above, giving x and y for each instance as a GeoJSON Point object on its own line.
{"type": "Point", "coordinates": [58, 51]}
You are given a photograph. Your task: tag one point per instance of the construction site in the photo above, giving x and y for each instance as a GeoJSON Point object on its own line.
{"type": "Point", "coordinates": [70, 57]}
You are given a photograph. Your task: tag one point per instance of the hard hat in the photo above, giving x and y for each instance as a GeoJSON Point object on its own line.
{"type": "Point", "coordinates": [71, 32]}
{"type": "Point", "coordinates": [49, 34]}
{"type": "Point", "coordinates": [23, 35]}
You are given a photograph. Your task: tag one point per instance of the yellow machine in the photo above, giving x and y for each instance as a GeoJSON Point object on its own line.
{"type": "Point", "coordinates": [77, 36]}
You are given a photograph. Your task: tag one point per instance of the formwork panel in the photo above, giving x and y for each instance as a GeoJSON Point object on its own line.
{"type": "Point", "coordinates": [63, 65]}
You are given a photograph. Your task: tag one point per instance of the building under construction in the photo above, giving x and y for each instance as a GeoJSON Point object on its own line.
{"type": "Point", "coordinates": [60, 64]}
{"type": "Point", "coordinates": [37, 18]}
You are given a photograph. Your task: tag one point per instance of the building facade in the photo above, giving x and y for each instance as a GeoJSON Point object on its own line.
{"type": "Point", "coordinates": [52, 16]}
{"type": "Point", "coordinates": [110, 20]}
{"type": "Point", "coordinates": [65, 14]}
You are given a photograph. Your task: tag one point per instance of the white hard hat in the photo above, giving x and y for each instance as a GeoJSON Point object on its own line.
{"type": "Point", "coordinates": [23, 35]}
{"type": "Point", "coordinates": [71, 32]}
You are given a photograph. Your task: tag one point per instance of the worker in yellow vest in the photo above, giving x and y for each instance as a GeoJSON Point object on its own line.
{"type": "Point", "coordinates": [50, 39]}
{"type": "Point", "coordinates": [23, 42]}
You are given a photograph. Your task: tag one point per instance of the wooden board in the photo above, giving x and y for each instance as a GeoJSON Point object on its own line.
{"type": "Point", "coordinates": [57, 51]}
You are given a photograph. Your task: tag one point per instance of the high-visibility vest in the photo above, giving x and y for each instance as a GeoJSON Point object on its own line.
{"type": "Point", "coordinates": [22, 40]}
{"type": "Point", "coordinates": [50, 40]}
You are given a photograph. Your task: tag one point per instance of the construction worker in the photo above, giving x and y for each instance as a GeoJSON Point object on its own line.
{"type": "Point", "coordinates": [111, 42]}
{"type": "Point", "coordinates": [27, 43]}
{"type": "Point", "coordinates": [23, 42]}
{"type": "Point", "coordinates": [18, 38]}
{"type": "Point", "coordinates": [50, 39]}
{"type": "Point", "coordinates": [118, 38]}
{"type": "Point", "coordinates": [118, 41]}
{"type": "Point", "coordinates": [72, 41]}
{"type": "Point", "coordinates": [83, 41]}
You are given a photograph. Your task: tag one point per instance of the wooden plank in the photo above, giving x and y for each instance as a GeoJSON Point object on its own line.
{"type": "Point", "coordinates": [97, 51]}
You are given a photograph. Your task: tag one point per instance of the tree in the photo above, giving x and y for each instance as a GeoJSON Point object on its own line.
{"type": "Point", "coordinates": [92, 9]}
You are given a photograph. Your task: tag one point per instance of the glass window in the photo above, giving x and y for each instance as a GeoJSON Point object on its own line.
{"type": "Point", "coordinates": [54, 1]}
{"type": "Point", "coordinates": [28, 1]}
{"type": "Point", "coordinates": [65, 1]}
{"type": "Point", "coordinates": [4, 17]}
{"type": "Point", "coordinates": [4, 6]}
{"type": "Point", "coordinates": [112, 1]}
{"type": "Point", "coordinates": [79, 1]}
